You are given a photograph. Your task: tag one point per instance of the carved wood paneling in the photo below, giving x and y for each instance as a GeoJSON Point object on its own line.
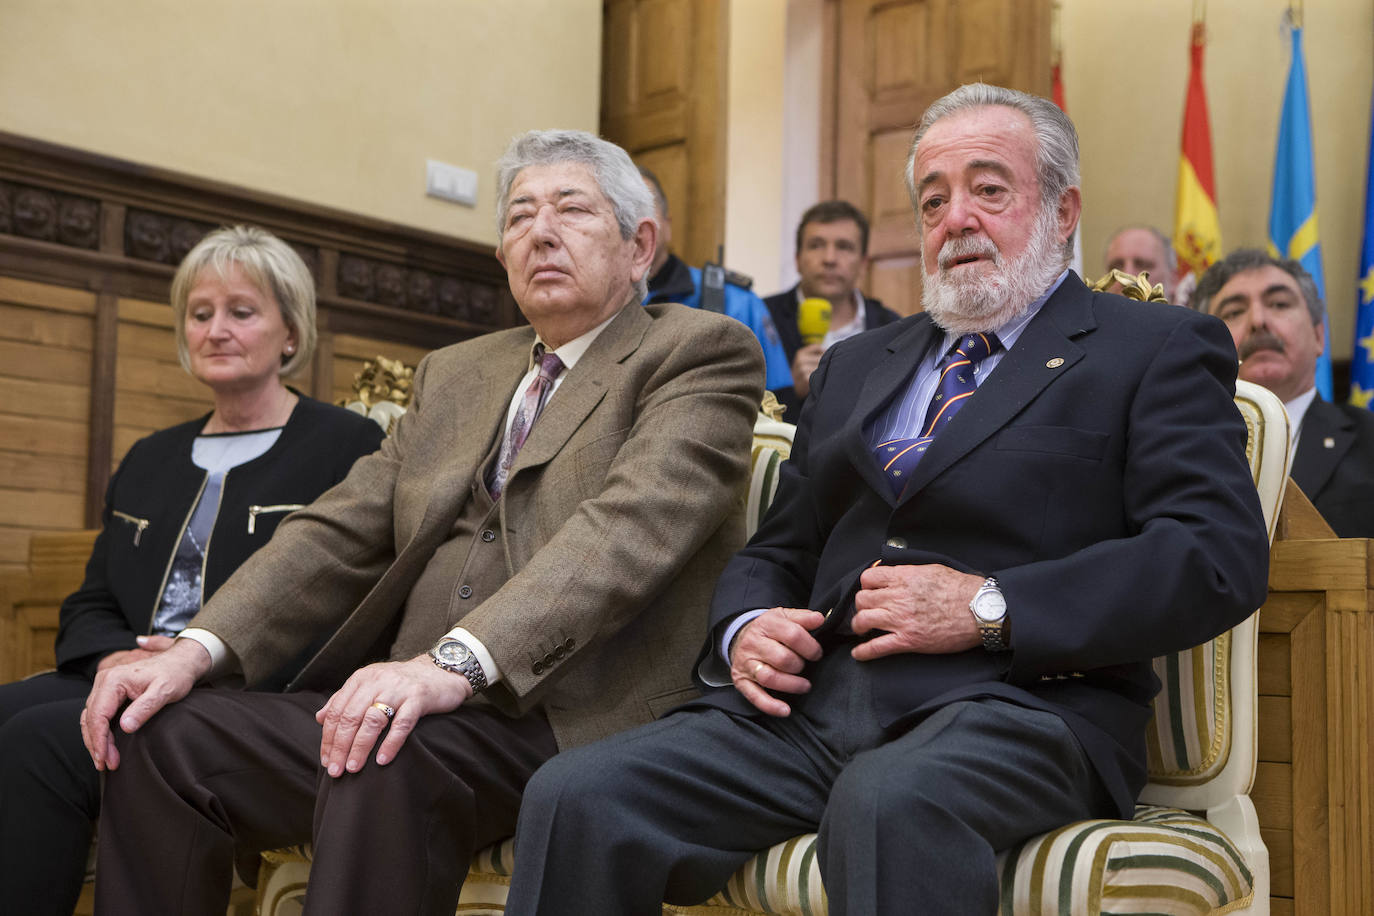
{"type": "Point", "coordinates": [95, 241]}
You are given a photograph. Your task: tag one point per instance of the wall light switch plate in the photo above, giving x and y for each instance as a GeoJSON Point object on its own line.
{"type": "Point", "coordinates": [450, 182]}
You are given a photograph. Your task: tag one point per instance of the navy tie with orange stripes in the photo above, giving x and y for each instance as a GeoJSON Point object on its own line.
{"type": "Point", "coordinates": [898, 457]}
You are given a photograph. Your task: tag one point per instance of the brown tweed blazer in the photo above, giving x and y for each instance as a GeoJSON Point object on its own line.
{"type": "Point", "coordinates": [620, 512]}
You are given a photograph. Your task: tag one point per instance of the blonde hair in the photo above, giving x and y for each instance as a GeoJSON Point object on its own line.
{"type": "Point", "coordinates": [269, 264]}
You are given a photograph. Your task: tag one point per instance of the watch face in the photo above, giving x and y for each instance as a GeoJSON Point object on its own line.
{"type": "Point", "coordinates": [990, 606]}
{"type": "Point", "coordinates": [453, 653]}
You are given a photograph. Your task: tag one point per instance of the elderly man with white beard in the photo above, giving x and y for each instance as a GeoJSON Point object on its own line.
{"type": "Point", "coordinates": [938, 642]}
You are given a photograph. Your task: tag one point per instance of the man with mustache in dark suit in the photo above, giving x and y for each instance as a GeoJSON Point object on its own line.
{"type": "Point", "coordinates": [1278, 321]}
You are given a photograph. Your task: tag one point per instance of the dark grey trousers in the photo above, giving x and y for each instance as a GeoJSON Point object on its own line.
{"type": "Point", "coordinates": [224, 774]}
{"type": "Point", "coordinates": [908, 825]}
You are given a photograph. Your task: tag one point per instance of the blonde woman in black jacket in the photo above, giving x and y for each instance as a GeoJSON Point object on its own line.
{"type": "Point", "coordinates": [185, 508]}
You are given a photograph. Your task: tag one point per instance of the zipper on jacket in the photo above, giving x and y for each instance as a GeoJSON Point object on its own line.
{"type": "Point", "coordinates": [255, 511]}
{"type": "Point", "coordinates": [176, 545]}
{"type": "Point", "coordinates": [140, 524]}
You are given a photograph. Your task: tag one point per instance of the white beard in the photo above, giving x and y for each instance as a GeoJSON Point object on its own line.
{"type": "Point", "coordinates": [988, 301]}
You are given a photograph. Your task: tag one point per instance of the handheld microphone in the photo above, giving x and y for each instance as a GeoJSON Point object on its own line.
{"type": "Point", "coordinates": [813, 319]}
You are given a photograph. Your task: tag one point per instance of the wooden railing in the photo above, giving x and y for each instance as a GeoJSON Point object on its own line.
{"type": "Point", "coordinates": [1315, 778]}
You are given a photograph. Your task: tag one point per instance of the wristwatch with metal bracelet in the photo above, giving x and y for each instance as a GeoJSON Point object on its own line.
{"type": "Point", "coordinates": [989, 608]}
{"type": "Point", "coordinates": [454, 655]}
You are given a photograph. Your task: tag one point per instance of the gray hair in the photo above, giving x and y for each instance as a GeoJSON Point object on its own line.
{"type": "Point", "coordinates": [616, 175]}
{"type": "Point", "coordinates": [1244, 260]}
{"type": "Point", "coordinates": [1170, 256]}
{"type": "Point", "coordinates": [269, 264]}
{"type": "Point", "coordinates": [1056, 148]}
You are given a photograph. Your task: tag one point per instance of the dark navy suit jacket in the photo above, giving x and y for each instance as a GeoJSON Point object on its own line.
{"type": "Point", "coordinates": [1099, 473]}
{"type": "Point", "coordinates": [1339, 477]}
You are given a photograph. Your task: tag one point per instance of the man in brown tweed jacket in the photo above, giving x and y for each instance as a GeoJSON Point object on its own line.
{"type": "Point", "coordinates": [529, 554]}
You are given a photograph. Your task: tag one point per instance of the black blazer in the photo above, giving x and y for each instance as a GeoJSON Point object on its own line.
{"type": "Point", "coordinates": [1099, 473]}
{"type": "Point", "coordinates": [1339, 477]}
{"type": "Point", "coordinates": [150, 498]}
{"type": "Point", "coordinates": [783, 307]}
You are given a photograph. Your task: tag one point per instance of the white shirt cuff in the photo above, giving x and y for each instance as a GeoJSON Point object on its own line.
{"type": "Point", "coordinates": [220, 655]}
{"type": "Point", "coordinates": [479, 651]}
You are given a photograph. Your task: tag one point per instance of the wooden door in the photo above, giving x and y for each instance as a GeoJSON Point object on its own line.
{"type": "Point", "coordinates": [888, 60]}
{"type": "Point", "coordinates": [663, 82]}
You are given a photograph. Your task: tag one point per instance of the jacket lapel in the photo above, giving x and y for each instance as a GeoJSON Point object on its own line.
{"type": "Point", "coordinates": [1044, 351]}
{"type": "Point", "coordinates": [586, 384]}
{"type": "Point", "coordinates": [1314, 462]}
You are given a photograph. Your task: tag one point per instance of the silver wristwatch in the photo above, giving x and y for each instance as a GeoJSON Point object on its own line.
{"type": "Point", "coordinates": [989, 608]}
{"type": "Point", "coordinates": [454, 655]}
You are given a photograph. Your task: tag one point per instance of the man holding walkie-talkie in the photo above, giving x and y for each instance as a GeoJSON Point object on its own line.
{"type": "Point", "coordinates": [826, 306]}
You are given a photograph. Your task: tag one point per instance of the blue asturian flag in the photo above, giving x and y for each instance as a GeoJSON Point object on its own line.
{"type": "Point", "coordinates": [1293, 207]}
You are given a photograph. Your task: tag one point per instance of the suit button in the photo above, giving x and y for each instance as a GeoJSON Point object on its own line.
{"type": "Point", "coordinates": [549, 660]}
{"type": "Point", "coordinates": [570, 644]}
{"type": "Point", "coordinates": [538, 668]}
{"type": "Point", "coordinates": [897, 543]}
{"type": "Point", "coordinates": [488, 535]}
{"type": "Point", "coordinates": [465, 591]}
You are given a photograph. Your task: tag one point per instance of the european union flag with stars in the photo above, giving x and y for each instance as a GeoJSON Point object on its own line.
{"type": "Point", "coordinates": [1362, 360]}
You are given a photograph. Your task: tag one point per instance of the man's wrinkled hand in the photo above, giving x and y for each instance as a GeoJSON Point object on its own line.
{"type": "Point", "coordinates": [770, 652]}
{"type": "Point", "coordinates": [353, 718]}
{"type": "Point", "coordinates": [921, 609]}
{"type": "Point", "coordinates": [147, 685]}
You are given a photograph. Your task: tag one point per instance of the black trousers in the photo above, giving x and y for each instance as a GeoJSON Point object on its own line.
{"type": "Point", "coordinates": [49, 794]}
{"type": "Point", "coordinates": [907, 824]}
{"type": "Point", "coordinates": [228, 773]}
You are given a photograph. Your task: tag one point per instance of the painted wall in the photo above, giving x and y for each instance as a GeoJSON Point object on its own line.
{"type": "Point", "coordinates": [754, 145]}
{"type": "Point", "coordinates": [335, 102]}
{"type": "Point", "coordinates": [1125, 71]}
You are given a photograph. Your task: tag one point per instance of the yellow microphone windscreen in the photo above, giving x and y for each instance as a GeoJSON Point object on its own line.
{"type": "Point", "coordinates": [813, 319]}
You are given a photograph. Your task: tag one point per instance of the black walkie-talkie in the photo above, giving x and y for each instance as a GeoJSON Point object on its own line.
{"type": "Point", "coordinates": [713, 283]}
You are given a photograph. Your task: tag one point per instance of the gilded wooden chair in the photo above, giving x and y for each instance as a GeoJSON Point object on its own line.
{"type": "Point", "coordinates": [1194, 845]}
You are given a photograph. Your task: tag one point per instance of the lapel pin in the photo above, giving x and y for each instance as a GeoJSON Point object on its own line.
{"type": "Point", "coordinates": [1055, 363]}
{"type": "Point", "coordinates": [1328, 442]}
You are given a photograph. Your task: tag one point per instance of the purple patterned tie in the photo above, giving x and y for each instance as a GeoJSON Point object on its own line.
{"type": "Point", "coordinates": [536, 396]}
{"type": "Point", "coordinates": [899, 457]}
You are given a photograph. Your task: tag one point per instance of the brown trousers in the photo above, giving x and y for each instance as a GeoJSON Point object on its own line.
{"type": "Point", "coordinates": [225, 774]}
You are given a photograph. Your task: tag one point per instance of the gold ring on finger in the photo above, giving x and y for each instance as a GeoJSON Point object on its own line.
{"type": "Point", "coordinates": [758, 666]}
{"type": "Point", "coordinates": [386, 710]}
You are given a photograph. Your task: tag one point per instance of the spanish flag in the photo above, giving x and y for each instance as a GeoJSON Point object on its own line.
{"type": "Point", "coordinates": [1197, 229]}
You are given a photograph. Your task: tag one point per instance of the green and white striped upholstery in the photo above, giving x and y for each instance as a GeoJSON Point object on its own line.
{"type": "Point", "coordinates": [1135, 866]}
{"type": "Point", "coordinates": [785, 880]}
{"type": "Point", "coordinates": [772, 446]}
{"type": "Point", "coordinates": [1164, 861]}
